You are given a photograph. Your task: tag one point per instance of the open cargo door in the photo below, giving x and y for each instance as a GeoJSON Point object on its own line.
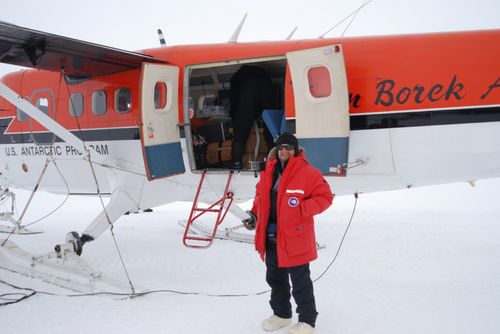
{"type": "Point", "coordinates": [321, 106]}
{"type": "Point", "coordinates": [160, 118]}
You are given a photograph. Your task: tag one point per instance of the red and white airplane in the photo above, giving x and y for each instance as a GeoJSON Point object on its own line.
{"type": "Point", "coordinates": [152, 127]}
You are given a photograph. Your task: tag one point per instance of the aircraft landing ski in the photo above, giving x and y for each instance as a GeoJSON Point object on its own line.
{"type": "Point", "coordinates": [69, 271]}
{"type": "Point", "coordinates": [17, 230]}
{"type": "Point", "coordinates": [226, 234]}
{"type": "Point", "coordinates": [229, 233]}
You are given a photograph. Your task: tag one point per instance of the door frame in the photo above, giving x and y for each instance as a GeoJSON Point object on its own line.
{"type": "Point", "coordinates": [187, 119]}
{"type": "Point", "coordinates": [159, 121]}
{"type": "Point", "coordinates": [322, 122]}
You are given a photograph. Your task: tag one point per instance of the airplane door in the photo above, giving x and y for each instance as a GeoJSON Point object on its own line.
{"type": "Point", "coordinates": [321, 106]}
{"type": "Point", "coordinates": [160, 118]}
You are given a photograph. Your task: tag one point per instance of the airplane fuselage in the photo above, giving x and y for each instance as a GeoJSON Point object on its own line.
{"type": "Point", "coordinates": [423, 109]}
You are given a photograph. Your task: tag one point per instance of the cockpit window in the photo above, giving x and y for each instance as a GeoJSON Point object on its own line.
{"type": "Point", "coordinates": [21, 115]}
{"type": "Point", "coordinates": [42, 104]}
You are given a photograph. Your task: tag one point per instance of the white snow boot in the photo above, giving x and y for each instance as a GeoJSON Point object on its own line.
{"type": "Point", "coordinates": [301, 328]}
{"type": "Point", "coordinates": [274, 323]}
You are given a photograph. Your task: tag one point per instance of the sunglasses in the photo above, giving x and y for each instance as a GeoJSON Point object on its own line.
{"type": "Point", "coordinates": [286, 147]}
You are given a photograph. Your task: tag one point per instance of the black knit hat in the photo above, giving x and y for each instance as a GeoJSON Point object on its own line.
{"type": "Point", "coordinates": [288, 138]}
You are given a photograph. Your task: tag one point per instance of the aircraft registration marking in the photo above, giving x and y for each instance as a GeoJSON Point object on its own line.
{"type": "Point", "coordinates": [52, 150]}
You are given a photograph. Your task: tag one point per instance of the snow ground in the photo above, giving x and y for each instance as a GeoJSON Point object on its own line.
{"type": "Point", "coordinates": [423, 260]}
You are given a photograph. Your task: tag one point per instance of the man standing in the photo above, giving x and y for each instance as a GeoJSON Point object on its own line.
{"type": "Point", "coordinates": [251, 92]}
{"type": "Point", "coordinates": [289, 193]}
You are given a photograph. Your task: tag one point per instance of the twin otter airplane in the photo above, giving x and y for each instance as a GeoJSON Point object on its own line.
{"type": "Point", "coordinates": [156, 126]}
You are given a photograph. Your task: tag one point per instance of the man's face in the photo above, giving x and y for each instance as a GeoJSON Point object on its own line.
{"type": "Point", "coordinates": [285, 151]}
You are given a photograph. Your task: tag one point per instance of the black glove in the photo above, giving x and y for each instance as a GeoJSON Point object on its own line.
{"type": "Point", "coordinates": [250, 222]}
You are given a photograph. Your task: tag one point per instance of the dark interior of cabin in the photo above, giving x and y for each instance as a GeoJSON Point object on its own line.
{"type": "Point", "coordinates": [236, 111]}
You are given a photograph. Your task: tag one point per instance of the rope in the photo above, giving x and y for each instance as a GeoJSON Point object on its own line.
{"type": "Point", "coordinates": [354, 17]}
{"type": "Point", "coordinates": [12, 298]}
{"type": "Point", "coordinates": [18, 223]}
{"type": "Point", "coordinates": [51, 159]}
{"type": "Point", "coordinates": [345, 18]}
{"type": "Point", "coordinates": [111, 226]}
{"type": "Point", "coordinates": [88, 157]}
{"type": "Point", "coordinates": [134, 294]}
{"type": "Point", "coordinates": [265, 291]}
{"type": "Point", "coordinates": [342, 240]}
{"type": "Point", "coordinates": [192, 293]}
{"type": "Point", "coordinates": [60, 205]}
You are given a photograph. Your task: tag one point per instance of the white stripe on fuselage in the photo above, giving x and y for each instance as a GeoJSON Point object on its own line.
{"type": "Point", "coordinates": [394, 158]}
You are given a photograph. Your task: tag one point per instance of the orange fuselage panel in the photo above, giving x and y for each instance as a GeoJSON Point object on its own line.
{"type": "Point", "coordinates": [385, 74]}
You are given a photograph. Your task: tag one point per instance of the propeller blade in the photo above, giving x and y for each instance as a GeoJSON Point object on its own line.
{"type": "Point", "coordinates": [289, 37]}
{"type": "Point", "coordinates": [236, 33]}
{"type": "Point", "coordinates": [162, 39]}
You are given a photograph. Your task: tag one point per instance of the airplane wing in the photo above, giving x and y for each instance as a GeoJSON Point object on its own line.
{"type": "Point", "coordinates": [79, 59]}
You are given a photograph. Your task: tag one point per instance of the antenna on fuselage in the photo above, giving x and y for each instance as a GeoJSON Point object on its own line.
{"type": "Point", "coordinates": [236, 33]}
{"type": "Point", "coordinates": [354, 17]}
{"type": "Point", "coordinates": [289, 37]}
{"type": "Point", "coordinates": [354, 13]}
{"type": "Point", "coordinates": [162, 39]}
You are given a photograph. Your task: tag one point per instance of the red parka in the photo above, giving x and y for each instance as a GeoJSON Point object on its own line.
{"type": "Point", "coordinates": [302, 193]}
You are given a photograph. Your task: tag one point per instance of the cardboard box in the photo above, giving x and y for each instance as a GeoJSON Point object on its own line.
{"type": "Point", "coordinates": [218, 152]}
{"type": "Point", "coordinates": [252, 142]}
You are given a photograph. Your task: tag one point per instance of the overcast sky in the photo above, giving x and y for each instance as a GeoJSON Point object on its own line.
{"type": "Point", "coordinates": [131, 25]}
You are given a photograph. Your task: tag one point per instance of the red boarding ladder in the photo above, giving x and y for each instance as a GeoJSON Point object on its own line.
{"type": "Point", "coordinates": [217, 207]}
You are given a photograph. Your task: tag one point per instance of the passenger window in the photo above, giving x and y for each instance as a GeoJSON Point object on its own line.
{"type": "Point", "coordinates": [76, 105]}
{"type": "Point", "coordinates": [21, 115]}
{"type": "Point", "coordinates": [319, 81]}
{"type": "Point", "coordinates": [42, 103]}
{"type": "Point", "coordinates": [123, 100]}
{"type": "Point", "coordinates": [99, 102]}
{"type": "Point", "coordinates": [160, 95]}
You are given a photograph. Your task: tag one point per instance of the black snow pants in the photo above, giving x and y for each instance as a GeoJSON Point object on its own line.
{"type": "Point", "coordinates": [302, 288]}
